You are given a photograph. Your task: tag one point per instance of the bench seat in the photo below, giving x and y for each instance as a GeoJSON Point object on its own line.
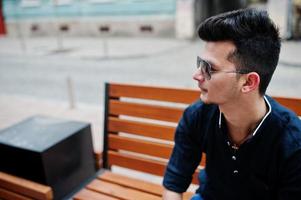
{"type": "Point", "coordinates": [110, 185]}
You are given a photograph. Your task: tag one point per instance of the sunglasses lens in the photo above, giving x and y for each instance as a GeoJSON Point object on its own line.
{"type": "Point", "coordinates": [204, 67]}
{"type": "Point", "coordinates": [207, 68]}
{"type": "Point", "coordinates": [198, 62]}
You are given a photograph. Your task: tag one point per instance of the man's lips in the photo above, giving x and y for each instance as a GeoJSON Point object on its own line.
{"type": "Point", "coordinates": [203, 89]}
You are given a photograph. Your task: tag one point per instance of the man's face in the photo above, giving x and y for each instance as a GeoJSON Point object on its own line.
{"type": "Point", "coordinates": [222, 87]}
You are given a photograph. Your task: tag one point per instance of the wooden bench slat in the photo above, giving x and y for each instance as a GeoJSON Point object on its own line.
{"type": "Point", "coordinates": [140, 146]}
{"type": "Point", "coordinates": [26, 187]}
{"type": "Point", "coordinates": [203, 161]}
{"type": "Point", "coordinates": [86, 194]}
{"type": "Point", "coordinates": [154, 93]}
{"type": "Point", "coordinates": [137, 184]}
{"type": "Point", "coordinates": [131, 183]}
{"type": "Point", "coordinates": [137, 163]}
{"type": "Point", "coordinates": [141, 128]}
{"type": "Point", "coordinates": [292, 104]}
{"type": "Point", "coordinates": [145, 111]}
{"type": "Point", "coordinates": [141, 164]}
{"type": "Point", "coordinates": [119, 191]}
{"type": "Point", "coordinates": [9, 195]}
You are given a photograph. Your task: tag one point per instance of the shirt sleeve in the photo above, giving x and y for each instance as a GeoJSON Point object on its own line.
{"type": "Point", "coordinates": [186, 154]}
{"type": "Point", "coordinates": [290, 183]}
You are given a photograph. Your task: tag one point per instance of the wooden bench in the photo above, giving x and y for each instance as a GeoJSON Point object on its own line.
{"type": "Point", "coordinates": [138, 134]}
{"type": "Point", "coordinates": [15, 188]}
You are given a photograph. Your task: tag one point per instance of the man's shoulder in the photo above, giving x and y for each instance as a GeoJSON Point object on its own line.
{"type": "Point", "coordinates": [289, 124]}
{"type": "Point", "coordinates": [283, 115]}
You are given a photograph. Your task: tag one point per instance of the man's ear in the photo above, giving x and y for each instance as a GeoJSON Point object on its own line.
{"type": "Point", "coordinates": [252, 81]}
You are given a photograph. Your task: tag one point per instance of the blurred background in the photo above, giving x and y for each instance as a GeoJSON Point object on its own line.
{"type": "Point", "coordinates": [157, 18]}
{"type": "Point", "coordinates": [56, 55]}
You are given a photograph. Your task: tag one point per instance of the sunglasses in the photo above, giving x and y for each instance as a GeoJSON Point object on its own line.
{"type": "Point", "coordinates": [206, 69]}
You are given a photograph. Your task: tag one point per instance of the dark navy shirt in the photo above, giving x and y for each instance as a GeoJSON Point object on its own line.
{"type": "Point", "coordinates": [266, 166]}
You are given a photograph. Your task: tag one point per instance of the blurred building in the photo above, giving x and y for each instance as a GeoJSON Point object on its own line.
{"type": "Point", "coordinates": [167, 18]}
{"type": "Point", "coordinates": [89, 17]}
{"type": "Point", "coordinates": [280, 12]}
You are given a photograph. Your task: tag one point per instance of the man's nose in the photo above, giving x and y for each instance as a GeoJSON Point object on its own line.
{"type": "Point", "coordinates": [198, 76]}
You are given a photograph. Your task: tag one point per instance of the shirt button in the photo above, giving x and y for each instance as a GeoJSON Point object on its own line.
{"type": "Point", "coordinates": [235, 172]}
{"type": "Point", "coordinates": [233, 158]}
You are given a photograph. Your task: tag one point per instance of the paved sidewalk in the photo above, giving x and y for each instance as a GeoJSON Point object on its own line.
{"type": "Point", "coordinates": [18, 107]}
{"type": "Point", "coordinates": [115, 48]}
{"type": "Point", "coordinates": [87, 48]}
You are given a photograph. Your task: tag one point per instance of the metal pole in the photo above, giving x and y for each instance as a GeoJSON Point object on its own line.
{"type": "Point", "coordinates": [289, 21]}
{"type": "Point", "coordinates": [19, 31]}
{"type": "Point", "coordinates": [59, 38]}
{"type": "Point", "coordinates": [105, 47]}
{"type": "Point", "coordinates": [70, 90]}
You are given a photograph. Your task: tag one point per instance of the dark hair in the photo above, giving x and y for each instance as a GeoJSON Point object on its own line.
{"type": "Point", "coordinates": [255, 37]}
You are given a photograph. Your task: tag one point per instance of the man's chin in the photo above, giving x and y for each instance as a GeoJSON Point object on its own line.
{"type": "Point", "coordinates": [204, 98]}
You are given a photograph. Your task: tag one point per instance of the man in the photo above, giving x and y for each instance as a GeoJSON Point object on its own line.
{"type": "Point", "coordinates": [252, 143]}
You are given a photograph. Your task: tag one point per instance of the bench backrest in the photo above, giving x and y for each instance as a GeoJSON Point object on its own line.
{"type": "Point", "coordinates": [140, 122]}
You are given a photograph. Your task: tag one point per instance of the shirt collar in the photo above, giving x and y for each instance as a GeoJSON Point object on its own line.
{"type": "Point", "coordinates": [255, 131]}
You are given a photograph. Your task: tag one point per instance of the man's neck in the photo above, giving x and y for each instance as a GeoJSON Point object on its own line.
{"type": "Point", "coordinates": [243, 116]}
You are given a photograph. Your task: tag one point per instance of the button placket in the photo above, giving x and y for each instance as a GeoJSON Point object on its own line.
{"type": "Point", "coordinates": [234, 150]}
